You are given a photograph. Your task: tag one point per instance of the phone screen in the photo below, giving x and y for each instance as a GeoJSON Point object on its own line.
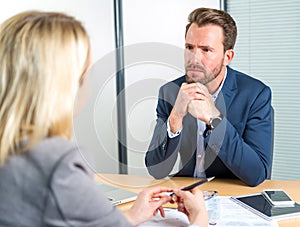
{"type": "Point", "coordinates": [278, 196]}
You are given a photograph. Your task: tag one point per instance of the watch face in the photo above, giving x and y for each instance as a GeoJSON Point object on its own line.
{"type": "Point", "coordinates": [215, 122]}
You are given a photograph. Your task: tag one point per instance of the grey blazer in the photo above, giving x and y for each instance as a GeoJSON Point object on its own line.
{"type": "Point", "coordinates": [50, 185]}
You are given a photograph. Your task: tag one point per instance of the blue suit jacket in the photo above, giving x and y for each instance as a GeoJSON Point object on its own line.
{"type": "Point", "coordinates": [238, 147]}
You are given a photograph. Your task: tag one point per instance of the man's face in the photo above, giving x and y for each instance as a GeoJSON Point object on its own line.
{"type": "Point", "coordinates": [204, 53]}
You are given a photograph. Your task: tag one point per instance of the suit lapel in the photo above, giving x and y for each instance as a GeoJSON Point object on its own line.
{"type": "Point", "coordinates": [227, 93]}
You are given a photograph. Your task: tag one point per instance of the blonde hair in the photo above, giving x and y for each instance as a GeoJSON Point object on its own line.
{"type": "Point", "coordinates": [43, 57]}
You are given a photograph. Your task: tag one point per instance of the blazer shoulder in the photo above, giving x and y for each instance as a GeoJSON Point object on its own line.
{"type": "Point", "coordinates": [243, 79]}
{"type": "Point", "coordinates": [174, 84]}
{"type": "Point", "coordinates": [51, 151]}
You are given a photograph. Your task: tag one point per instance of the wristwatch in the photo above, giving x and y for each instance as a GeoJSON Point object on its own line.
{"type": "Point", "coordinates": [214, 122]}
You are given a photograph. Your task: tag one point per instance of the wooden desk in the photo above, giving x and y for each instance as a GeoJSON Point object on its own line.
{"type": "Point", "coordinates": [225, 187]}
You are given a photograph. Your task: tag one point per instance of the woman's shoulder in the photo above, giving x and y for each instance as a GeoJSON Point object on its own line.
{"type": "Point", "coordinates": [50, 153]}
{"type": "Point", "coordinates": [52, 149]}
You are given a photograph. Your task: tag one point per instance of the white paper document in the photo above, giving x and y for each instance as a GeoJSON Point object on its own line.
{"type": "Point", "coordinates": [221, 211]}
{"type": "Point", "coordinates": [172, 218]}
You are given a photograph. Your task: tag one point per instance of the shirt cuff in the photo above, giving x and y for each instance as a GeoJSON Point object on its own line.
{"type": "Point", "coordinates": [171, 134]}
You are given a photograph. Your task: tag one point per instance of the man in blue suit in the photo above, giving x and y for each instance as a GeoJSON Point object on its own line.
{"type": "Point", "coordinates": [213, 121]}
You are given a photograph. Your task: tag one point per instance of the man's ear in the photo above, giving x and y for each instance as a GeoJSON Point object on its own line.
{"type": "Point", "coordinates": [229, 54]}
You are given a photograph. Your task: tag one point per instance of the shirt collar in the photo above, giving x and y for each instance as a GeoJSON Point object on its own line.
{"type": "Point", "coordinates": [215, 95]}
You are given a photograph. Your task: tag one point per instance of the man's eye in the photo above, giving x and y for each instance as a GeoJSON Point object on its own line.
{"type": "Point", "coordinates": [188, 47]}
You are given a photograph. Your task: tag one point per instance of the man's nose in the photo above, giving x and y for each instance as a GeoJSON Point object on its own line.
{"type": "Point", "coordinates": [195, 56]}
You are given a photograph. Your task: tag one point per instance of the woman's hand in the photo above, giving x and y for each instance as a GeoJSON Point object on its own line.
{"type": "Point", "coordinates": [148, 203]}
{"type": "Point", "coordinates": [192, 204]}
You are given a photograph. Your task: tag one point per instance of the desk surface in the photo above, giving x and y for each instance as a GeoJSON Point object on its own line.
{"type": "Point", "coordinates": [225, 187]}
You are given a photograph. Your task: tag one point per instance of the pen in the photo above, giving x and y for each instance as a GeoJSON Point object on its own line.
{"type": "Point", "coordinates": [187, 188]}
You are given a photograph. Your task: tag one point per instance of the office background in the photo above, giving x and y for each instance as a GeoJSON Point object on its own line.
{"type": "Point", "coordinates": [153, 32]}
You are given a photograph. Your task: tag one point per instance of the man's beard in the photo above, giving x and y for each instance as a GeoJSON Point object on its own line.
{"type": "Point", "coordinates": [206, 77]}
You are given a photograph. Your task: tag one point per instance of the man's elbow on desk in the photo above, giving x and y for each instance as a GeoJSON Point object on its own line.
{"type": "Point", "coordinates": [157, 172]}
{"type": "Point", "coordinates": [254, 181]}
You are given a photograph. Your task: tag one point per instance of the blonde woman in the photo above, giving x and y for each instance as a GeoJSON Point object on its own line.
{"type": "Point", "coordinates": [44, 181]}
